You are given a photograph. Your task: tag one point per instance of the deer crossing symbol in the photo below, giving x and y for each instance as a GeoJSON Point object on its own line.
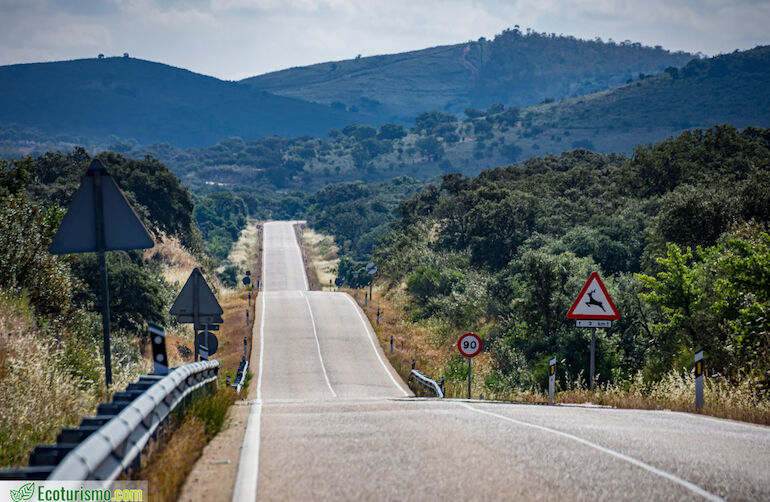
{"type": "Point", "coordinates": [593, 301]}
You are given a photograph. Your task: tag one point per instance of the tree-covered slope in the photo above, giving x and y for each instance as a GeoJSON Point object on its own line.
{"type": "Point", "coordinates": [729, 89]}
{"type": "Point", "coordinates": [515, 68]}
{"type": "Point", "coordinates": [148, 102]}
{"type": "Point", "coordinates": [678, 231]}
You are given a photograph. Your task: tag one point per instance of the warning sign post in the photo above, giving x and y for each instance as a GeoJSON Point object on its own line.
{"type": "Point", "coordinates": [593, 309]}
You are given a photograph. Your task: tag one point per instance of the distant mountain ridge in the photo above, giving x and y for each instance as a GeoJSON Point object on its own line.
{"type": "Point", "coordinates": [515, 69]}
{"type": "Point", "coordinates": [729, 89]}
{"type": "Point", "coordinates": [151, 102]}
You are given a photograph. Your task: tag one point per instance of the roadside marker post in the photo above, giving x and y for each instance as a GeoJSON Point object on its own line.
{"type": "Point", "coordinates": [247, 317]}
{"type": "Point", "coordinates": [551, 379]}
{"type": "Point", "coordinates": [100, 219]}
{"type": "Point", "coordinates": [371, 269]}
{"type": "Point", "coordinates": [159, 354]}
{"type": "Point", "coordinates": [593, 308]}
{"type": "Point", "coordinates": [391, 344]}
{"type": "Point", "coordinates": [469, 346]}
{"type": "Point", "coordinates": [245, 347]}
{"type": "Point", "coordinates": [699, 379]}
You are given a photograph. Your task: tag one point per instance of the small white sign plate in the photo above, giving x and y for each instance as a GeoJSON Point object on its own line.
{"type": "Point", "coordinates": [589, 323]}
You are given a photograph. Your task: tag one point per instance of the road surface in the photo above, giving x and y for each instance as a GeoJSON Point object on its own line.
{"type": "Point", "coordinates": [332, 421]}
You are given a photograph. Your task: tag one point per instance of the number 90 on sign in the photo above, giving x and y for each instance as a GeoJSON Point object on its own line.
{"type": "Point", "coordinates": [469, 344]}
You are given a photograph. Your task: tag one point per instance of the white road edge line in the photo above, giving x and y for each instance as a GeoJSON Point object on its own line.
{"type": "Point", "coordinates": [318, 344]}
{"type": "Point", "coordinates": [247, 478]}
{"type": "Point", "coordinates": [686, 484]}
{"type": "Point", "coordinates": [374, 346]}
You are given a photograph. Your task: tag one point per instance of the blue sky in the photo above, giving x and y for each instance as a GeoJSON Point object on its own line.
{"type": "Point", "coordinates": [234, 39]}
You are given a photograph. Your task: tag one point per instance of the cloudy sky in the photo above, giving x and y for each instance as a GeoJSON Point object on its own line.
{"type": "Point", "coordinates": [234, 39]}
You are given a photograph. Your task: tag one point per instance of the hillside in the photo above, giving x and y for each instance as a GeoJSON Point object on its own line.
{"type": "Point", "coordinates": [729, 89]}
{"type": "Point", "coordinates": [515, 68]}
{"type": "Point", "coordinates": [91, 100]}
{"type": "Point", "coordinates": [677, 231]}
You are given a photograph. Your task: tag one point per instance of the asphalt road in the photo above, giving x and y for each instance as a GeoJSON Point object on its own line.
{"type": "Point", "coordinates": [332, 421]}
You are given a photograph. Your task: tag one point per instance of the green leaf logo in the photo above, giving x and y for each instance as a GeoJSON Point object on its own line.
{"type": "Point", "coordinates": [23, 493]}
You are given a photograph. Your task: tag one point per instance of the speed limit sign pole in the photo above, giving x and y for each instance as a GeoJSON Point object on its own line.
{"type": "Point", "coordinates": [469, 346]}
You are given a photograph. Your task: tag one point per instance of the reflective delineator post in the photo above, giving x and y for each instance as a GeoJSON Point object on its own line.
{"type": "Point", "coordinates": [699, 379]}
{"type": "Point", "coordinates": [245, 347]}
{"type": "Point", "coordinates": [551, 380]}
{"type": "Point", "coordinates": [159, 355]}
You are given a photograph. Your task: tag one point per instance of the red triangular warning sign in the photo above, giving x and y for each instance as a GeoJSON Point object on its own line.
{"type": "Point", "coordinates": [594, 302]}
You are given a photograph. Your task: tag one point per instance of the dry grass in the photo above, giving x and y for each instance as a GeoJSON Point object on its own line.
{"type": "Point", "coordinates": [245, 249]}
{"type": "Point", "coordinates": [177, 261]}
{"type": "Point", "coordinates": [322, 254]}
{"type": "Point", "coordinates": [432, 346]}
{"type": "Point", "coordinates": [172, 458]}
{"type": "Point", "coordinates": [39, 390]}
{"type": "Point", "coordinates": [676, 392]}
{"type": "Point", "coordinates": [313, 280]}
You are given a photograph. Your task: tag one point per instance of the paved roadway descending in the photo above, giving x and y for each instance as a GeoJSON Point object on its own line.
{"type": "Point", "coordinates": [332, 421]}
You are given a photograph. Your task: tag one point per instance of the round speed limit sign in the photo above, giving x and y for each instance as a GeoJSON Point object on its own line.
{"type": "Point", "coordinates": [469, 344]}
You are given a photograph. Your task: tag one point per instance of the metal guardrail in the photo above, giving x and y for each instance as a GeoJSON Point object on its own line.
{"type": "Point", "coordinates": [118, 444]}
{"type": "Point", "coordinates": [427, 382]}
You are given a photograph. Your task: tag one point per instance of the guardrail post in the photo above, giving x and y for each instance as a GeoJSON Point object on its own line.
{"type": "Point", "coordinates": [551, 379]}
{"type": "Point", "coordinates": [699, 379]}
{"type": "Point", "coordinates": [443, 388]}
{"type": "Point", "coordinates": [412, 363]}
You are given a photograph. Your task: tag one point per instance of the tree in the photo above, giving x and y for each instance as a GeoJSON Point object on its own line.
{"type": "Point", "coordinates": [391, 131]}
{"type": "Point", "coordinates": [675, 292]}
{"type": "Point", "coordinates": [427, 121]}
{"type": "Point", "coordinates": [430, 147]}
{"type": "Point", "coordinates": [359, 132]}
{"type": "Point", "coordinates": [26, 231]}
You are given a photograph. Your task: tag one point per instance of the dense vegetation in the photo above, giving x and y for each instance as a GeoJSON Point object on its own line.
{"type": "Point", "coordinates": [51, 364]}
{"type": "Point", "coordinates": [358, 212]}
{"type": "Point", "coordinates": [678, 231]}
{"type": "Point", "coordinates": [515, 68]}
